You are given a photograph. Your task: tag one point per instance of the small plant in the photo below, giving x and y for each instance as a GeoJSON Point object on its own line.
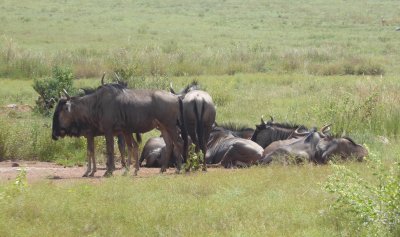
{"type": "Point", "coordinates": [375, 204]}
{"type": "Point", "coordinates": [195, 160]}
{"type": "Point", "coordinates": [49, 89]}
{"type": "Point", "coordinates": [19, 186]}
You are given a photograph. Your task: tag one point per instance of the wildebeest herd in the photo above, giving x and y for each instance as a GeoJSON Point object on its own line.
{"type": "Point", "coordinates": [182, 118]}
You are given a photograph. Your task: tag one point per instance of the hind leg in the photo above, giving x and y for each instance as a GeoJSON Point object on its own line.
{"type": "Point", "coordinates": [110, 154]}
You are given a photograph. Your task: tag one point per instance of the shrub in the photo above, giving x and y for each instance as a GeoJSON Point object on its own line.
{"type": "Point", "coordinates": [195, 160]}
{"type": "Point", "coordinates": [374, 204]}
{"type": "Point", "coordinates": [49, 89]}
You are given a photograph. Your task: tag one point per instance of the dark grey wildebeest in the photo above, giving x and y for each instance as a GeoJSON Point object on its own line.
{"type": "Point", "coordinates": [199, 116]}
{"type": "Point", "coordinates": [266, 133]}
{"type": "Point", "coordinates": [316, 146]}
{"type": "Point", "coordinates": [120, 137]}
{"type": "Point", "coordinates": [225, 148]}
{"type": "Point", "coordinates": [113, 109]}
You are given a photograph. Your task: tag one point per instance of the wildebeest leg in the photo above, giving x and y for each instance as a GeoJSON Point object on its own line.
{"type": "Point", "coordinates": [178, 149]}
{"type": "Point", "coordinates": [110, 154]}
{"type": "Point", "coordinates": [132, 151]}
{"type": "Point", "coordinates": [226, 160]}
{"type": "Point", "coordinates": [90, 157]}
{"type": "Point", "coordinates": [165, 156]}
{"type": "Point", "coordinates": [121, 148]}
{"type": "Point", "coordinates": [128, 140]}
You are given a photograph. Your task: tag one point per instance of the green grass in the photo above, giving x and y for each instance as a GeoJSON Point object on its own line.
{"type": "Point", "coordinates": [306, 62]}
{"type": "Point", "coordinates": [274, 201]}
{"type": "Point", "coordinates": [195, 38]}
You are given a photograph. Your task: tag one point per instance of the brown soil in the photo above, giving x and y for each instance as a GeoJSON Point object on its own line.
{"type": "Point", "coordinates": [39, 171]}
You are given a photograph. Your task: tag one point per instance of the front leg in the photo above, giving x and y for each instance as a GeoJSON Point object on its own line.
{"type": "Point", "coordinates": [90, 157]}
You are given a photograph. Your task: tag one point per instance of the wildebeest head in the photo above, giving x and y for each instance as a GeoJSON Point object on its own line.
{"type": "Point", "coordinates": [342, 147]}
{"type": "Point", "coordinates": [64, 119]}
{"type": "Point", "coordinates": [268, 132]}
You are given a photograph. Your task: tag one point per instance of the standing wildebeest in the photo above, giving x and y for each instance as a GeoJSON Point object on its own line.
{"type": "Point", "coordinates": [111, 110]}
{"type": "Point", "coordinates": [230, 151]}
{"type": "Point", "coordinates": [316, 146]}
{"type": "Point", "coordinates": [266, 133]}
{"type": "Point", "coordinates": [199, 116]}
{"type": "Point", "coordinates": [120, 137]}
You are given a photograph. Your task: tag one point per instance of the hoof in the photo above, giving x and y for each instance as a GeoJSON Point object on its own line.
{"type": "Point", "coordinates": [92, 174]}
{"type": "Point", "coordinates": [85, 175]}
{"type": "Point", "coordinates": [177, 171]}
{"type": "Point", "coordinates": [135, 173]}
{"type": "Point", "coordinates": [108, 174]}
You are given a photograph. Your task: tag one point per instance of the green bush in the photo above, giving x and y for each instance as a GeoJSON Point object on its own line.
{"type": "Point", "coordinates": [49, 89]}
{"type": "Point", "coordinates": [195, 160]}
{"type": "Point", "coordinates": [373, 204]}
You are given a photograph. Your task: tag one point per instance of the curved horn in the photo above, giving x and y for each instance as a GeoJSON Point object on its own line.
{"type": "Point", "coordinates": [296, 132]}
{"type": "Point", "coordinates": [102, 78]}
{"type": "Point", "coordinates": [262, 120]}
{"type": "Point", "coordinates": [272, 119]}
{"type": "Point", "coordinates": [325, 128]}
{"type": "Point", "coordinates": [171, 89]}
{"type": "Point", "coordinates": [66, 94]}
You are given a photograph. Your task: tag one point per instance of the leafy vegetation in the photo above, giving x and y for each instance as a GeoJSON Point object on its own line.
{"type": "Point", "coordinates": [49, 89]}
{"type": "Point", "coordinates": [374, 204]}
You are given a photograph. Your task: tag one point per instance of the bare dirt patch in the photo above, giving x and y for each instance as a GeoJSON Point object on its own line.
{"type": "Point", "coordinates": [39, 171]}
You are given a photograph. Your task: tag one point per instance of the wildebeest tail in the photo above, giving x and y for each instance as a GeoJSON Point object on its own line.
{"type": "Point", "coordinates": [200, 125]}
{"type": "Point", "coordinates": [184, 134]}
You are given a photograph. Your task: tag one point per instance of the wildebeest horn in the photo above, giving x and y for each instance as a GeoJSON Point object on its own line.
{"type": "Point", "coordinates": [52, 100]}
{"type": "Point", "coordinates": [262, 120]}
{"type": "Point", "coordinates": [66, 94]}
{"type": "Point", "coordinates": [102, 78]}
{"type": "Point", "coordinates": [325, 128]}
{"type": "Point", "coordinates": [300, 133]}
{"type": "Point", "coordinates": [170, 88]}
{"type": "Point", "coordinates": [272, 119]}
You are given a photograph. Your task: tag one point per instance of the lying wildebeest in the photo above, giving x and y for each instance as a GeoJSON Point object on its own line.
{"type": "Point", "coordinates": [230, 151]}
{"type": "Point", "coordinates": [199, 116]}
{"type": "Point", "coordinates": [266, 133]}
{"type": "Point", "coordinates": [111, 110]}
{"type": "Point", "coordinates": [152, 153]}
{"type": "Point", "coordinates": [120, 137]}
{"type": "Point", "coordinates": [316, 146]}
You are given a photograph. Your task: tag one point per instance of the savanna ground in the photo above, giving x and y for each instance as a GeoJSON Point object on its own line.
{"type": "Point", "coordinates": [306, 62]}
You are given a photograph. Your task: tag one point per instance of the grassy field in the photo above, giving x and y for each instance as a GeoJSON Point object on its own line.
{"type": "Point", "coordinates": [196, 38]}
{"type": "Point", "coordinates": [306, 62]}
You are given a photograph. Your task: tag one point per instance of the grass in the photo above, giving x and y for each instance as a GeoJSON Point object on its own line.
{"type": "Point", "coordinates": [307, 62]}
{"type": "Point", "coordinates": [191, 38]}
{"type": "Point", "coordinates": [279, 201]}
